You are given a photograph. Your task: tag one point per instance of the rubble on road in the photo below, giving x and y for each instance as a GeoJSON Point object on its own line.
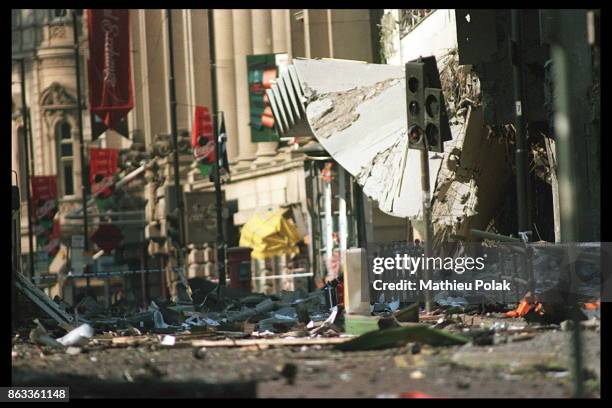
{"type": "Point", "coordinates": [225, 317]}
{"type": "Point", "coordinates": [399, 336]}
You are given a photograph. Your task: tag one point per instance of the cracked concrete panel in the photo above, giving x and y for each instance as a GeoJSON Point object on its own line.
{"type": "Point", "coordinates": [328, 75]}
{"type": "Point", "coordinates": [357, 112]}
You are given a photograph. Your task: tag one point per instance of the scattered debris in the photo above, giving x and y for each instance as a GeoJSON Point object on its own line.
{"type": "Point", "coordinates": [306, 341]}
{"type": "Point", "coordinates": [78, 337]}
{"type": "Point", "coordinates": [168, 341]}
{"type": "Point", "coordinates": [387, 322]}
{"type": "Point", "coordinates": [41, 337]}
{"type": "Point", "coordinates": [73, 351]}
{"type": "Point", "coordinates": [399, 336]}
{"type": "Point", "coordinates": [408, 314]}
{"type": "Point", "coordinates": [39, 298]}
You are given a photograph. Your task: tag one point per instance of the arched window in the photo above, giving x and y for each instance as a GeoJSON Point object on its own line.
{"type": "Point", "coordinates": [63, 135]}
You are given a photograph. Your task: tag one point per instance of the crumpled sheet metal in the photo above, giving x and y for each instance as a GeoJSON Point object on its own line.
{"type": "Point", "coordinates": [357, 112]}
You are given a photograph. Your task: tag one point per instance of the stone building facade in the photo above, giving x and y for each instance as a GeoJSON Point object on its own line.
{"type": "Point", "coordinates": [265, 174]}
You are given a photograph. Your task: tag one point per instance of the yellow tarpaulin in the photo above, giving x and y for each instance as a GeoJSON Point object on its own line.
{"type": "Point", "coordinates": [270, 234]}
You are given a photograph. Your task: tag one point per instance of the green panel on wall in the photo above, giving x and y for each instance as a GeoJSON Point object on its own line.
{"type": "Point", "coordinates": [261, 131]}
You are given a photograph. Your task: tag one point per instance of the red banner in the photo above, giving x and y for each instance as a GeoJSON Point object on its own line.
{"type": "Point", "coordinates": [44, 204]}
{"type": "Point", "coordinates": [44, 196]}
{"type": "Point", "coordinates": [110, 79]}
{"type": "Point", "coordinates": [202, 137]}
{"type": "Point", "coordinates": [102, 168]}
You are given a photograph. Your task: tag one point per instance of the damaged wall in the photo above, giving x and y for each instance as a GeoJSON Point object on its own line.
{"type": "Point", "coordinates": [473, 180]}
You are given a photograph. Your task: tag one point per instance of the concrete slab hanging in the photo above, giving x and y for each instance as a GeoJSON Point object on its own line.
{"type": "Point", "coordinates": [357, 112]}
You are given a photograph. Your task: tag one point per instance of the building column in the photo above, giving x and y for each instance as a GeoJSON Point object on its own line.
{"type": "Point", "coordinates": [243, 46]}
{"type": "Point", "coordinates": [155, 89]}
{"type": "Point", "coordinates": [280, 24]}
{"type": "Point", "coordinates": [262, 44]}
{"type": "Point", "coordinates": [198, 64]}
{"type": "Point", "coordinates": [136, 114]}
{"type": "Point", "coordinates": [225, 78]}
{"type": "Point", "coordinates": [183, 87]}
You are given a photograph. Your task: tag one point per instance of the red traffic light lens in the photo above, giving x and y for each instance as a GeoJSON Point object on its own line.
{"type": "Point", "coordinates": [415, 134]}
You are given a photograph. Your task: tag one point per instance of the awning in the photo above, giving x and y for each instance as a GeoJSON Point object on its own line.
{"type": "Point", "coordinates": [357, 112]}
{"type": "Point", "coordinates": [270, 234]}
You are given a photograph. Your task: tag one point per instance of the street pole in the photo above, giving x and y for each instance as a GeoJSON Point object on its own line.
{"type": "Point", "coordinates": [79, 115]}
{"type": "Point", "coordinates": [26, 128]}
{"type": "Point", "coordinates": [221, 267]}
{"type": "Point", "coordinates": [521, 150]}
{"type": "Point", "coordinates": [565, 134]}
{"type": "Point", "coordinates": [32, 166]}
{"type": "Point", "coordinates": [174, 130]}
{"type": "Point", "coordinates": [427, 232]}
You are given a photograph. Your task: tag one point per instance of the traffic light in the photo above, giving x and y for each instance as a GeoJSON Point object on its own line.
{"type": "Point", "coordinates": [428, 126]}
{"type": "Point", "coordinates": [415, 84]}
{"type": "Point", "coordinates": [433, 133]}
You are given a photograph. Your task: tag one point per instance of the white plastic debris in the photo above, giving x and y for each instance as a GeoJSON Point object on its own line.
{"type": "Point", "coordinates": [77, 337]}
{"type": "Point", "coordinates": [168, 341]}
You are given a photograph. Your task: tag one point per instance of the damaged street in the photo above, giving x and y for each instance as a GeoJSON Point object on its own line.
{"type": "Point", "coordinates": [306, 203]}
{"type": "Point", "coordinates": [408, 354]}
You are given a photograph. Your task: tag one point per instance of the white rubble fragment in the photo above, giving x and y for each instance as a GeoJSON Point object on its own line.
{"type": "Point", "coordinates": [77, 337]}
{"type": "Point", "coordinates": [168, 341]}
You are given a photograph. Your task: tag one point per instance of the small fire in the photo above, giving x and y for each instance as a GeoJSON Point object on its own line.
{"type": "Point", "coordinates": [527, 304]}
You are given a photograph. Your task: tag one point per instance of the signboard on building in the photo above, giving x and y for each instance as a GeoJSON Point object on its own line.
{"type": "Point", "coordinates": [110, 79]}
{"type": "Point", "coordinates": [44, 205]}
{"type": "Point", "coordinates": [200, 217]}
{"type": "Point", "coordinates": [262, 71]}
{"type": "Point", "coordinates": [102, 167]}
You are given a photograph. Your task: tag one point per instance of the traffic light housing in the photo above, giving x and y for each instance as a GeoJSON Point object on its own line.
{"type": "Point", "coordinates": [433, 126]}
{"type": "Point", "coordinates": [415, 82]}
{"type": "Point", "coordinates": [428, 126]}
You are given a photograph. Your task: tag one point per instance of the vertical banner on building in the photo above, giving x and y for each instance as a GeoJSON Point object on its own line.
{"type": "Point", "coordinates": [110, 80]}
{"type": "Point", "coordinates": [102, 168]}
{"type": "Point", "coordinates": [44, 203]}
{"type": "Point", "coordinates": [203, 140]}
